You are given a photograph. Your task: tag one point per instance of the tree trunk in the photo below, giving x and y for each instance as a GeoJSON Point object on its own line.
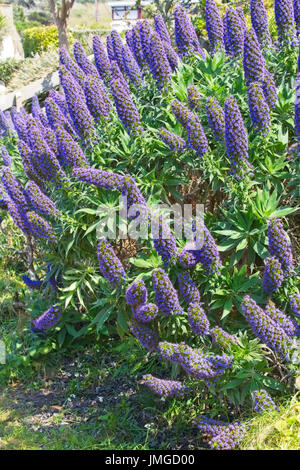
{"type": "Point", "coordinates": [62, 34]}
{"type": "Point", "coordinates": [61, 15]}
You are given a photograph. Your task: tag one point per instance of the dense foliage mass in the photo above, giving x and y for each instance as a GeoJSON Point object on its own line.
{"type": "Point", "coordinates": [162, 121]}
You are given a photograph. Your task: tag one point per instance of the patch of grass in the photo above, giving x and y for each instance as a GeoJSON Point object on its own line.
{"type": "Point", "coordinates": [83, 16]}
{"type": "Point", "coordinates": [276, 431]}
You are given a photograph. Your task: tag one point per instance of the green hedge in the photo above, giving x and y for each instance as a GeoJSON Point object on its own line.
{"type": "Point", "coordinates": [39, 39]}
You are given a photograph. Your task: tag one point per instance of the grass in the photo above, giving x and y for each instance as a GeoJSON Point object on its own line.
{"type": "Point", "coordinates": [83, 16]}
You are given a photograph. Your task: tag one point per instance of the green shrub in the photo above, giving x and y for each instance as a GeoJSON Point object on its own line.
{"type": "Point", "coordinates": [20, 20]}
{"type": "Point", "coordinates": [7, 68]}
{"type": "Point", "coordinates": [40, 39]}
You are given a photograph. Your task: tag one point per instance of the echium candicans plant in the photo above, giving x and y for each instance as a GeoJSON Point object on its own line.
{"type": "Point", "coordinates": [137, 47]}
{"type": "Point", "coordinates": [253, 60]}
{"type": "Point", "coordinates": [81, 117]}
{"type": "Point", "coordinates": [296, 4]}
{"type": "Point", "coordinates": [50, 138]}
{"type": "Point", "coordinates": [266, 329]}
{"type": "Point", "coordinates": [45, 162]}
{"type": "Point", "coordinates": [163, 239]}
{"type": "Point", "coordinates": [146, 313]}
{"type": "Point", "coordinates": [165, 294]}
{"type": "Point", "coordinates": [145, 38]}
{"type": "Point", "coordinates": [110, 49]}
{"type": "Point", "coordinates": [35, 107]}
{"type": "Point", "coordinates": [284, 17]}
{"type": "Point", "coordinates": [214, 26]}
{"type": "Point", "coordinates": [29, 164]}
{"type": "Point", "coordinates": [262, 402]}
{"type": "Point", "coordinates": [196, 136]}
{"type": "Point", "coordinates": [136, 203]}
{"type": "Point", "coordinates": [82, 60]}
{"type": "Point", "coordinates": [69, 151]}
{"type": "Point", "coordinates": [161, 29]}
{"type": "Point", "coordinates": [221, 436]}
{"type": "Point", "coordinates": [216, 118]}
{"type": "Point", "coordinates": [71, 66]}
{"type": "Point", "coordinates": [13, 188]}
{"type": "Point", "coordinates": [198, 320]}
{"type": "Point", "coordinates": [160, 67]}
{"type": "Point", "coordinates": [297, 109]}
{"type": "Point", "coordinates": [31, 283]}
{"type": "Point", "coordinates": [269, 89]}
{"type": "Point", "coordinates": [47, 320]}
{"type": "Point", "coordinates": [96, 98]}
{"type": "Point", "coordinates": [187, 288]}
{"type": "Point", "coordinates": [19, 216]}
{"type": "Point", "coordinates": [116, 74]}
{"type": "Point", "coordinates": [235, 32]}
{"type": "Point", "coordinates": [60, 101]}
{"type": "Point", "coordinates": [273, 275]}
{"type": "Point", "coordinates": [136, 294]}
{"type": "Point", "coordinates": [221, 338]}
{"type": "Point", "coordinates": [6, 158]}
{"type": "Point", "coordinates": [117, 47]}
{"type": "Point", "coordinates": [171, 54]}
{"type": "Point", "coordinates": [110, 266]}
{"type": "Point", "coordinates": [260, 23]}
{"type": "Point", "coordinates": [295, 303]}
{"type": "Point", "coordinates": [164, 388]}
{"type": "Point", "coordinates": [186, 37]}
{"type": "Point", "coordinates": [20, 125]}
{"type": "Point", "coordinates": [194, 98]}
{"type": "Point", "coordinates": [39, 227]}
{"type": "Point", "coordinates": [100, 178]}
{"type": "Point", "coordinates": [259, 108]}
{"type": "Point", "coordinates": [242, 18]}
{"type": "Point", "coordinates": [173, 141]}
{"type": "Point", "coordinates": [279, 245]}
{"type": "Point", "coordinates": [182, 113]}
{"type": "Point", "coordinates": [56, 117]}
{"type": "Point", "coordinates": [208, 255]}
{"type": "Point", "coordinates": [286, 323]}
{"type": "Point", "coordinates": [6, 128]}
{"type": "Point", "coordinates": [40, 202]}
{"type": "Point", "coordinates": [126, 109]}
{"type": "Point", "coordinates": [236, 139]}
{"type": "Point", "coordinates": [146, 336]}
{"type": "Point", "coordinates": [101, 59]}
{"type": "Point", "coordinates": [225, 34]}
{"type": "Point", "coordinates": [131, 66]}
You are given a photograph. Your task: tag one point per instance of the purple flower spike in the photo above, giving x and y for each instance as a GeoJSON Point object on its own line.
{"type": "Point", "coordinates": [101, 59]}
{"type": "Point", "coordinates": [47, 320]}
{"type": "Point", "coordinates": [78, 110]}
{"type": "Point", "coordinates": [14, 188]}
{"type": "Point", "coordinates": [194, 98]}
{"type": "Point", "coordinates": [136, 294]}
{"type": "Point", "coordinates": [173, 141]}
{"type": "Point", "coordinates": [295, 304]}
{"type": "Point", "coordinates": [260, 23]}
{"type": "Point", "coordinates": [216, 118]}
{"type": "Point", "coordinates": [56, 117]}
{"type": "Point", "coordinates": [284, 17]}
{"type": "Point", "coordinates": [137, 47]}
{"type": "Point", "coordinates": [31, 283]}
{"type": "Point", "coordinates": [97, 99]}
{"type": "Point", "coordinates": [29, 164]}
{"type": "Point", "coordinates": [117, 47]}
{"type": "Point", "coordinates": [19, 217]}
{"type": "Point", "coordinates": [40, 201]}
{"type": "Point", "coordinates": [236, 139]}
{"type": "Point", "coordinates": [161, 29]}
{"type": "Point", "coordinates": [35, 107]}
{"type": "Point", "coordinates": [165, 295]}
{"type": "Point", "coordinates": [164, 388]}
{"type": "Point", "coordinates": [39, 227]}
{"type": "Point", "coordinates": [208, 254]}
{"type": "Point", "coordinates": [297, 15]}
{"type": "Point", "coordinates": [5, 156]}
{"type": "Point", "coordinates": [61, 102]}
{"type": "Point", "coordinates": [187, 259]}
{"type": "Point", "coordinates": [163, 239]}
{"type": "Point", "coordinates": [188, 289]}
{"type": "Point", "coordinates": [269, 89]}
{"type": "Point", "coordinates": [198, 320]}
{"type": "Point", "coordinates": [131, 66]}
{"type": "Point", "coordinates": [266, 329]}
{"type": "Point", "coordinates": [214, 26]}
{"type": "Point", "coordinates": [221, 436]}
{"type": "Point", "coordinates": [146, 336]}
{"type": "Point", "coordinates": [172, 55]}
{"type": "Point", "coordinates": [262, 402]}
{"type": "Point", "coordinates": [221, 338]}
{"type": "Point", "coordinates": [196, 137]}
{"type": "Point", "coordinates": [82, 60]}
{"type": "Point", "coordinates": [110, 49]}
{"type": "Point", "coordinates": [279, 246]}
{"type": "Point", "coordinates": [273, 275]}
{"type": "Point", "coordinates": [110, 266]}
{"type": "Point", "coordinates": [145, 39]}
{"type": "Point", "coordinates": [160, 67]}
{"type": "Point", "coordinates": [101, 178]}
{"type": "Point", "coordinates": [116, 74]}
{"type": "Point", "coordinates": [127, 112]}
{"type": "Point", "coordinates": [186, 37]}
{"type": "Point", "coordinates": [286, 323]}
{"type": "Point", "coordinates": [7, 126]}
{"type": "Point", "coordinates": [235, 32]}
{"type": "Point", "coordinates": [146, 313]}
{"type": "Point", "coordinates": [253, 60]}
{"type": "Point", "coordinates": [20, 126]}
{"type": "Point", "coordinates": [225, 34]}
{"type": "Point", "coordinates": [69, 151]}
{"type": "Point", "coordinates": [71, 66]}
{"type": "Point", "coordinates": [259, 109]}
{"type": "Point", "coordinates": [182, 113]}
